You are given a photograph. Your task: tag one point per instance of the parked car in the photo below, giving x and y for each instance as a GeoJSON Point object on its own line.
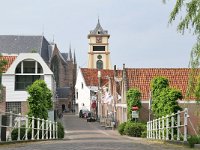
{"type": "Point", "coordinates": [83, 113]}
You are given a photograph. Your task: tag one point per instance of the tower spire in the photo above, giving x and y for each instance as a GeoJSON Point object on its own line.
{"type": "Point", "coordinates": [98, 19]}
{"type": "Point", "coordinates": [74, 57]}
{"type": "Point", "coordinates": [69, 58]}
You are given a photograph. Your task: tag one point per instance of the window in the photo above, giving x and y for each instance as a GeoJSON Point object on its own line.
{"type": "Point", "coordinates": [22, 82]}
{"type": "Point", "coordinates": [82, 85]}
{"type": "Point", "coordinates": [15, 107]}
{"type": "Point", "coordinates": [98, 48]}
{"type": "Point", "coordinates": [27, 72]}
{"type": "Point", "coordinates": [29, 66]}
{"type": "Point", "coordinates": [99, 64]}
{"type": "Point", "coordinates": [76, 95]}
{"type": "Point", "coordinates": [39, 68]}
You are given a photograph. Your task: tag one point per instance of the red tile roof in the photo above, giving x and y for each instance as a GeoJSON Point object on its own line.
{"type": "Point", "coordinates": [9, 59]}
{"type": "Point", "coordinates": [91, 79]}
{"type": "Point", "coordinates": [141, 78]}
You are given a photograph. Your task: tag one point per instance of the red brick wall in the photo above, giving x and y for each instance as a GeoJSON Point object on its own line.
{"type": "Point", "coordinates": [3, 103]}
{"type": "Point", "coordinates": [194, 113]}
{"type": "Point", "coordinates": [24, 108]}
{"type": "Point", "coordinates": [193, 110]}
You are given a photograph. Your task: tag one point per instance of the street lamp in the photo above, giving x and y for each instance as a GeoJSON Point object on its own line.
{"type": "Point", "coordinates": [98, 94]}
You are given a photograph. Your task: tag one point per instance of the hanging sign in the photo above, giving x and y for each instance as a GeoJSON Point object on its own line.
{"type": "Point", "coordinates": [135, 114]}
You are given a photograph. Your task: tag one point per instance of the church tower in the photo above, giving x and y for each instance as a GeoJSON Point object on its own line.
{"type": "Point", "coordinates": [98, 54]}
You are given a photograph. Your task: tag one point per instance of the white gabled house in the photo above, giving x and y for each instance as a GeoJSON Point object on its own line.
{"type": "Point", "coordinates": [83, 91]}
{"type": "Point", "coordinates": [87, 86]}
{"type": "Point", "coordinates": [24, 70]}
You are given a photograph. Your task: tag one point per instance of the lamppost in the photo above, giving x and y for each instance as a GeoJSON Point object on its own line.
{"type": "Point", "coordinates": [98, 93]}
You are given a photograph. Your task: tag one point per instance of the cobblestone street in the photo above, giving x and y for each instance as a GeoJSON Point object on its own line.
{"type": "Point", "coordinates": [82, 135]}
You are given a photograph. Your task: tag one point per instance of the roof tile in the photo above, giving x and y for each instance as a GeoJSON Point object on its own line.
{"type": "Point", "coordinates": [9, 59]}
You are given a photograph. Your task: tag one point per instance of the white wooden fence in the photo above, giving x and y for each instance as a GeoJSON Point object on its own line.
{"type": "Point", "coordinates": [171, 127]}
{"type": "Point", "coordinates": [39, 128]}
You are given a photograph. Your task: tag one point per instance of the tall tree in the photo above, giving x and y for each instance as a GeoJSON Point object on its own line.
{"type": "Point", "coordinates": [164, 98]}
{"type": "Point", "coordinates": [133, 99]}
{"type": "Point", "coordinates": [39, 100]}
{"type": "Point", "coordinates": [189, 21]}
{"type": "Point", "coordinates": [3, 63]}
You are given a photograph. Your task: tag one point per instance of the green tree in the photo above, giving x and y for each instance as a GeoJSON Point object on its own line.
{"type": "Point", "coordinates": [197, 90]}
{"type": "Point", "coordinates": [189, 21]}
{"type": "Point", "coordinates": [39, 100]}
{"type": "Point", "coordinates": [133, 99]}
{"type": "Point", "coordinates": [164, 98]}
{"type": "Point", "coordinates": [3, 63]}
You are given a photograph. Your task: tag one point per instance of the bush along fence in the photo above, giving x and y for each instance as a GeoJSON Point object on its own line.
{"type": "Point", "coordinates": [19, 127]}
{"type": "Point", "coordinates": [171, 127]}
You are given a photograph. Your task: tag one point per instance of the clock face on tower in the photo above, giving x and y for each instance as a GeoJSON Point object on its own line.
{"type": "Point", "coordinates": [98, 39]}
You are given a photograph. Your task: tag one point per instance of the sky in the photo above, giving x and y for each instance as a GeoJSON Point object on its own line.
{"type": "Point", "coordinates": [140, 36]}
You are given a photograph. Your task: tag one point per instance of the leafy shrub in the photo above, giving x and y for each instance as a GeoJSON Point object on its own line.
{"type": "Point", "coordinates": [193, 140]}
{"type": "Point", "coordinates": [14, 134]}
{"type": "Point", "coordinates": [121, 128]}
{"type": "Point", "coordinates": [61, 132]}
{"type": "Point", "coordinates": [144, 134]}
{"type": "Point", "coordinates": [134, 129]}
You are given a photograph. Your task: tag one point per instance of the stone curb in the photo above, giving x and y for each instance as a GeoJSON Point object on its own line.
{"type": "Point", "coordinates": [29, 141]}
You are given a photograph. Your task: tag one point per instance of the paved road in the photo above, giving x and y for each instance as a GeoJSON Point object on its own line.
{"type": "Point", "coordinates": [82, 135]}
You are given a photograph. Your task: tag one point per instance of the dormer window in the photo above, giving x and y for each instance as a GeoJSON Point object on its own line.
{"type": "Point", "coordinates": [27, 72]}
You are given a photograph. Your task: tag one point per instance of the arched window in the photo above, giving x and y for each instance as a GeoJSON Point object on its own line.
{"type": "Point", "coordinates": [99, 64]}
{"type": "Point", "coordinates": [27, 72]}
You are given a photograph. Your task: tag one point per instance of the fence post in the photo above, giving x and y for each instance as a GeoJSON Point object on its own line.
{"type": "Point", "coordinates": [167, 127]}
{"type": "Point", "coordinates": [152, 134]}
{"type": "Point", "coordinates": [10, 125]}
{"type": "Point", "coordinates": [50, 129]}
{"type": "Point", "coordinates": [153, 129]}
{"type": "Point", "coordinates": [159, 129]}
{"type": "Point", "coordinates": [47, 129]}
{"type": "Point", "coordinates": [53, 130]}
{"type": "Point", "coordinates": [185, 124]}
{"type": "Point", "coordinates": [32, 138]}
{"type": "Point", "coordinates": [163, 128]}
{"type": "Point", "coordinates": [156, 128]}
{"type": "Point", "coordinates": [38, 128]}
{"type": "Point", "coordinates": [172, 127]}
{"type": "Point", "coordinates": [178, 125]}
{"type": "Point", "coordinates": [42, 129]}
{"type": "Point", "coordinates": [26, 130]}
{"type": "Point", "coordinates": [147, 130]}
{"type": "Point", "coordinates": [19, 124]}
{"type": "Point", "coordinates": [56, 130]}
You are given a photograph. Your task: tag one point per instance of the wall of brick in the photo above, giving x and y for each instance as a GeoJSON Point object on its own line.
{"type": "Point", "coordinates": [24, 108]}
{"type": "Point", "coordinates": [194, 113]}
{"type": "Point", "coordinates": [3, 101]}
{"type": "Point", "coordinates": [193, 110]}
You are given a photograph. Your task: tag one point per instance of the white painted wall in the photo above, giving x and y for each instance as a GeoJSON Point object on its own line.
{"type": "Point", "coordinates": [8, 78]}
{"type": "Point", "coordinates": [11, 95]}
{"type": "Point", "coordinates": [83, 93]}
